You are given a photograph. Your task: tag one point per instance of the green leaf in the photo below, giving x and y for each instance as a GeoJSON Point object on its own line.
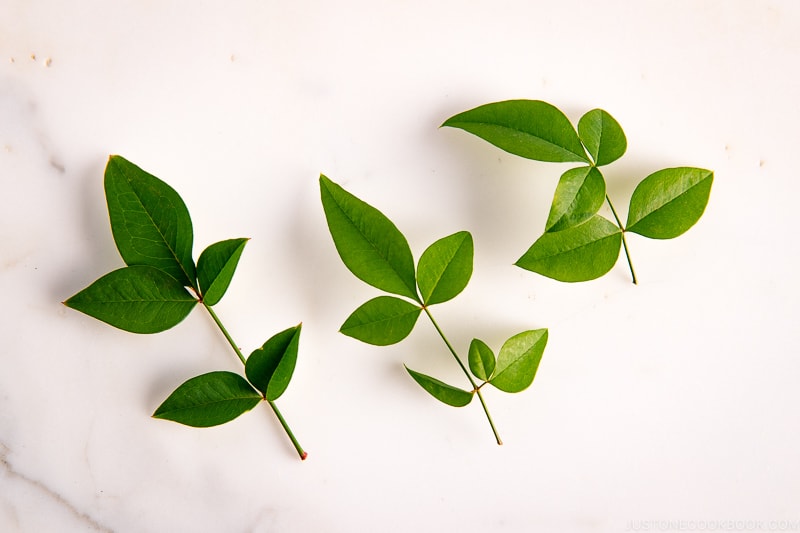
{"type": "Point", "coordinates": [270, 367]}
{"type": "Point", "coordinates": [669, 202]}
{"type": "Point", "coordinates": [369, 244]}
{"type": "Point", "coordinates": [578, 197]}
{"type": "Point", "coordinates": [528, 128]}
{"type": "Point", "coordinates": [580, 253]}
{"type": "Point", "coordinates": [602, 136]}
{"type": "Point", "coordinates": [209, 400]}
{"type": "Point", "coordinates": [139, 299]}
{"type": "Point", "coordinates": [442, 391]}
{"type": "Point", "coordinates": [481, 359]}
{"type": "Point", "coordinates": [382, 321]}
{"type": "Point", "coordinates": [518, 360]}
{"type": "Point", "coordinates": [149, 221]}
{"type": "Point", "coordinates": [445, 268]}
{"type": "Point", "coordinates": [215, 268]}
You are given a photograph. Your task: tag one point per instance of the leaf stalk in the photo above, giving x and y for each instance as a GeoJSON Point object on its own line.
{"type": "Point", "coordinates": [624, 241]}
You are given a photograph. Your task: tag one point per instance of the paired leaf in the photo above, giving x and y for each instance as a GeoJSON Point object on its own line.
{"type": "Point", "coordinates": [518, 360]}
{"type": "Point", "coordinates": [578, 197]}
{"type": "Point", "coordinates": [580, 253]}
{"type": "Point", "coordinates": [139, 299]}
{"type": "Point", "coordinates": [481, 360]}
{"type": "Point", "coordinates": [445, 268]}
{"type": "Point", "coordinates": [215, 268]}
{"type": "Point", "coordinates": [669, 202]}
{"type": "Point", "coordinates": [382, 321]}
{"type": "Point", "coordinates": [602, 136]}
{"type": "Point", "coordinates": [528, 128]}
{"type": "Point", "coordinates": [369, 244]}
{"type": "Point", "coordinates": [270, 367]}
{"type": "Point", "coordinates": [442, 391]}
{"type": "Point", "coordinates": [209, 400]}
{"type": "Point", "coordinates": [149, 221]}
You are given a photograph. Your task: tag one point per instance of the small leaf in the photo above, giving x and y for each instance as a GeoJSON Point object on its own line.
{"type": "Point", "coordinates": [149, 221]}
{"type": "Point", "coordinates": [209, 400]}
{"type": "Point", "coordinates": [139, 299]}
{"type": "Point", "coordinates": [518, 360]}
{"type": "Point", "coordinates": [669, 202]}
{"type": "Point", "coordinates": [215, 268]}
{"type": "Point", "coordinates": [528, 128]}
{"type": "Point", "coordinates": [369, 244]}
{"type": "Point", "coordinates": [602, 136]}
{"type": "Point", "coordinates": [445, 268]}
{"type": "Point", "coordinates": [481, 360]}
{"type": "Point", "coordinates": [382, 321]}
{"type": "Point", "coordinates": [580, 253]}
{"type": "Point", "coordinates": [270, 367]}
{"type": "Point", "coordinates": [579, 195]}
{"type": "Point", "coordinates": [442, 391]}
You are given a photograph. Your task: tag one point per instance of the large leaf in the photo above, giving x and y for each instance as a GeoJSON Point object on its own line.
{"type": "Point", "coordinates": [442, 391]}
{"type": "Point", "coordinates": [669, 202]}
{"type": "Point", "coordinates": [270, 367]}
{"type": "Point", "coordinates": [209, 400]}
{"type": "Point", "coordinates": [215, 268]}
{"type": "Point", "coordinates": [527, 128]}
{"type": "Point", "coordinates": [603, 136]}
{"type": "Point", "coordinates": [518, 360]}
{"type": "Point", "coordinates": [382, 321]}
{"type": "Point", "coordinates": [580, 253]}
{"type": "Point", "coordinates": [139, 299]}
{"type": "Point", "coordinates": [579, 195]}
{"type": "Point", "coordinates": [149, 221]}
{"type": "Point", "coordinates": [445, 268]}
{"type": "Point", "coordinates": [369, 244]}
{"type": "Point", "coordinates": [481, 360]}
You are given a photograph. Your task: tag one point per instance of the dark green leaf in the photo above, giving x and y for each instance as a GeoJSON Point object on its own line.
{"type": "Point", "coordinates": [669, 202]}
{"type": "Point", "coordinates": [578, 197]}
{"type": "Point", "coordinates": [270, 367]}
{"type": "Point", "coordinates": [149, 221]}
{"type": "Point", "coordinates": [382, 321]}
{"type": "Point", "coordinates": [209, 400]}
{"type": "Point", "coordinates": [442, 391]}
{"type": "Point", "coordinates": [518, 360]}
{"type": "Point", "coordinates": [215, 268]}
{"type": "Point", "coordinates": [527, 128]}
{"type": "Point", "coordinates": [139, 299]}
{"type": "Point", "coordinates": [602, 136]}
{"type": "Point", "coordinates": [369, 244]}
{"type": "Point", "coordinates": [481, 360]}
{"type": "Point", "coordinates": [580, 253]}
{"type": "Point", "coordinates": [445, 268]}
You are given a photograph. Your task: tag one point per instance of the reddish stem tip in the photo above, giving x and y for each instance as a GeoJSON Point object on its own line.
{"type": "Point", "coordinates": [303, 457]}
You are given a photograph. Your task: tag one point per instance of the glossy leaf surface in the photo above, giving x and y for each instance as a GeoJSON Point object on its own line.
{"type": "Point", "coordinates": [528, 128]}
{"type": "Point", "coordinates": [209, 400]}
{"type": "Point", "coordinates": [603, 136]}
{"type": "Point", "coordinates": [442, 391]}
{"type": "Point", "coordinates": [481, 360]}
{"type": "Point", "coordinates": [579, 195]}
{"type": "Point", "coordinates": [369, 244]}
{"type": "Point", "coordinates": [669, 202]}
{"type": "Point", "coordinates": [445, 268]}
{"type": "Point", "coordinates": [139, 299]}
{"type": "Point", "coordinates": [149, 221]}
{"type": "Point", "coordinates": [270, 367]}
{"type": "Point", "coordinates": [518, 360]}
{"type": "Point", "coordinates": [382, 321]}
{"type": "Point", "coordinates": [215, 268]}
{"type": "Point", "coordinates": [580, 253]}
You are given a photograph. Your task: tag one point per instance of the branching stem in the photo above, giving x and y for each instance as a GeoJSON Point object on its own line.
{"type": "Point", "coordinates": [624, 242]}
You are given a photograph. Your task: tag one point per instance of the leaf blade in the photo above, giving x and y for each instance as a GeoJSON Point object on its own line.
{"type": "Point", "coordinates": [579, 195]}
{"type": "Point", "coordinates": [603, 136]}
{"type": "Point", "coordinates": [269, 368]}
{"type": "Point", "coordinates": [382, 321]}
{"type": "Point", "coordinates": [215, 268]}
{"type": "Point", "coordinates": [518, 360]}
{"type": "Point", "coordinates": [481, 360]}
{"type": "Point", "coordinates": [442, 391]}
{"type": "Point", "coordinates": [445, 268]}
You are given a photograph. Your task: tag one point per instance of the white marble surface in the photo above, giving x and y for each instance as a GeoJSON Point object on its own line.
{"type": "Point", "coordinates": [676, 400]}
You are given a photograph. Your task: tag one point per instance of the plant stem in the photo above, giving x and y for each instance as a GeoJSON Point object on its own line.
{"type": "Point", "coordinates": [624, 242]}
{"type": "Point", "coordinates": [466, 373]}
{"type": "Point", "coordinates": [300, 451]}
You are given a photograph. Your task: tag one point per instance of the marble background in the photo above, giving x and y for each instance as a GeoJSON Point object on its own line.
{"type": "Point", "coordinates": [675, 400]}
